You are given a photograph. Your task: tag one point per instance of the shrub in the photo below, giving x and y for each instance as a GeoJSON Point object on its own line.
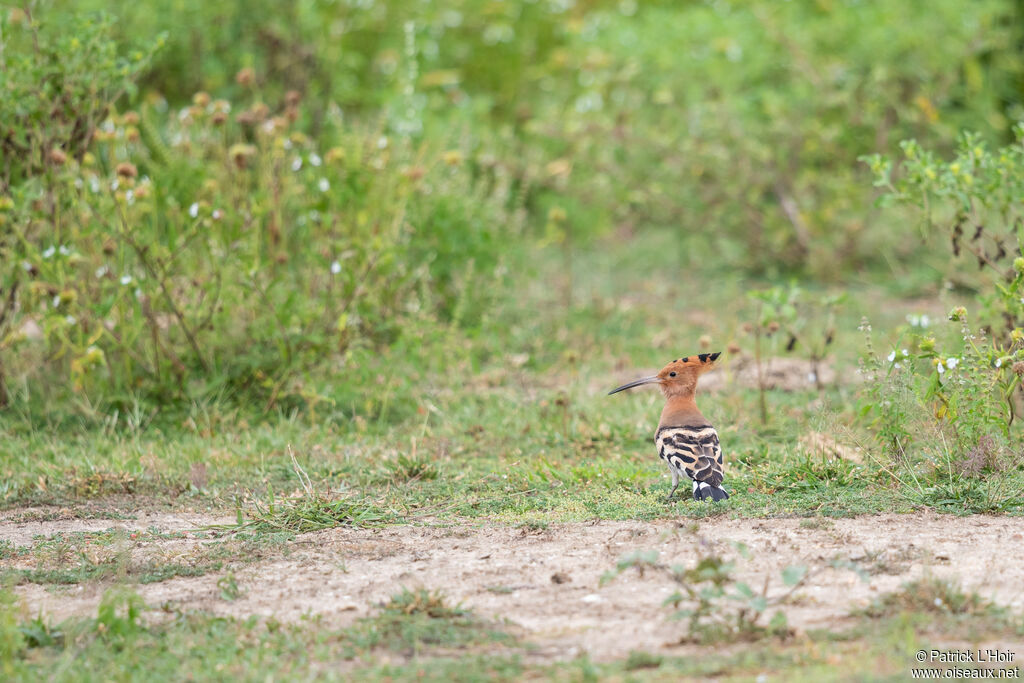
{"type": "Point", "coordinates": [975, 203]}
{"type": "Point", "coordinates": [218, 247]}
{"type": "Point", "coordinates": [968, 378]}
{"type": "Point", "coordinates": [740, 123]}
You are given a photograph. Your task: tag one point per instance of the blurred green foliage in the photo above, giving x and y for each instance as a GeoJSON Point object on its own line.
{"type": "Point", "coordinates": [969, 381]}
{"type": "Point", "coordinates": [366, 170]}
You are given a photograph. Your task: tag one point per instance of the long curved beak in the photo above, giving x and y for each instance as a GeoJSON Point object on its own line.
{"type": "Point", "coordinates": [645, 380]}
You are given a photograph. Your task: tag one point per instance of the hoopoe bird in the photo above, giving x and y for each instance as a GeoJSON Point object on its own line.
{"type": "Point", "coordinates": [685, 439]}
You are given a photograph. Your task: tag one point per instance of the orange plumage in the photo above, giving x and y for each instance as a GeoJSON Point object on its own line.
{"type": "Point", "coordinates": [685, 439]}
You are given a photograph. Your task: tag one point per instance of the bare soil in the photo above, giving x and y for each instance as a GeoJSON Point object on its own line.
{"type": "Point", "coordinates": [548, 582]}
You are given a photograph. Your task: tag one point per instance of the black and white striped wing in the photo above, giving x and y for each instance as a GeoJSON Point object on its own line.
{"type": "Point", "coordinates": [693, 451]}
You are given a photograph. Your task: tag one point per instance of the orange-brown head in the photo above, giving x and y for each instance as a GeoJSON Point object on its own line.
{"type": "Point", "coordinates": [678, 378]}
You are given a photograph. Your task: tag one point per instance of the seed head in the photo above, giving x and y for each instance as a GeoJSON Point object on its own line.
{"type": "Point", "coordinates": [246, 76]}
{"type": "Point", "coordinates": [126, 170]}
{"type": "Point", "coordinates": [241, 154]}
{"type": "Point", "coordinates": [410, 172]}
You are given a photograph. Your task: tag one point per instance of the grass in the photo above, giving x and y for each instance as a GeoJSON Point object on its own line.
{"type": "Point", "coordinates": [115, 556]}
{"type": "Point", "coordinates": [513, 425]}
{"type": "Point", "coordinates": [398, 295]}
{"type": "Point", "coordinates": [418, 635]}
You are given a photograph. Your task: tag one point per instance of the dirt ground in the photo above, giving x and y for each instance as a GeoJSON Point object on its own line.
{"type": "Point", "coordinates": [548, 582]}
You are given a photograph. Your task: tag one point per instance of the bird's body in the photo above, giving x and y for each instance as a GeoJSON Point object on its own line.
{"type": "Point", "coordinates": [685, 439]}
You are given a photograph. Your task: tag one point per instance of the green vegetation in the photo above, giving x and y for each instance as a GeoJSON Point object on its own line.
{"type": "Point", "coordinates": [119, 643]}
{"type": "Point", "coordinates": [723, 608]}
{"type": "Point", "coordinates": [355, 264]}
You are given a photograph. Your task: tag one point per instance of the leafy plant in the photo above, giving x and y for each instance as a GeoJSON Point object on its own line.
{"type": "Point", "coordinates": [715, 605]}
{"type": "Point", "coordinates": [806, 324]}
{"type": "Point", "coordinates": [975, 201]}
{"type": "Point", "coordinates": [234, 254]}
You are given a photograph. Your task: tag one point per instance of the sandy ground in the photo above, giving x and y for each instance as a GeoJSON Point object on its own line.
{"type": "Point", "coordinates": [548, 582]}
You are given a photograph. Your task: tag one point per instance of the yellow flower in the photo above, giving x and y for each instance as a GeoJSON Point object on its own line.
{"type": "Point", "coordinates": [556, 214]}
{"type": "Point", "coordinates": [334, 154]}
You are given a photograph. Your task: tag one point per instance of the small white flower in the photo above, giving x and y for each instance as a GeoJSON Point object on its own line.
{"type": "Point", "coordinates": [382, 142]}
{"type": "Point", "coordinates": [138, 293]}
{"type": "Point", "coordinates": [999, 362]}
{"type": "Point", "coordinates": [924, 321]}
{"type": "Point", "coordinates": [938, 602]}
{"type": "Point", "coordinates": [812, 377]}
{"type": "Point", "coordinates": [50, 251]}
{"type": "Point", "coordinates": [905, 353]}
{"type": "Point", "coordinates": [94, 184]}
{"type": "Point", "coordinates": [70, 319]}
{"type": "Point", "coordinates": [102, 271]}
{"type": "Point", "coordinates": [296, 163]}
{"type": "Point", "coordinates": [56, 302]}
{"type": "Point", "coordinates": [335, 268]}
{"type": "Point", "coordinates": [26, 266]}
{"type": "Point", "coordinates": [129, 196]}
{"type": "Point", "coordinates": [315, 160]}
{"type": "Point", "coordinates": [114, 185]}
{"type": "Point", "coordinates": [193, 210]}
{"type": "Point", "coordinates": [323, 185]}
{"type": "Point", "coordinates": [952, 362]}
{"type": "Point", "coordinates": [217, 214]}
{"type": "Point", "coordinates": [897, 366]}
{"type": "Point", "coordinates": [891, 357]}
{"type": "Point", "coordinates": [940, 367]}
{"type": "Point", "coordinates": [126, 279]}
{"type": "Point", "coordinates": [64, 251]}
{"type": "Point", "coordinates": [287, 144]}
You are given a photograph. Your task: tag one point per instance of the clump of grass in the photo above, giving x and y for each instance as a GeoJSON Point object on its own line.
{"type": "Point", "coordinates": [423, 602]}
{"type": "Point", "coordinates": [639, 659]}
{"type": "Point", "coordinates": [816, 523]}
{"type": "Point", "coordinates": [930, 595]}
{"type": "Point", "coordinates": [412, 468]}
{"type": "Point", "coordinates": [412, 619]}
{"type": "Point", "coordinates": [119, 566]}
{"type": "Point", "coordinates": [310, 511]}
{"type": "Point", "coordinates": [100, 484]}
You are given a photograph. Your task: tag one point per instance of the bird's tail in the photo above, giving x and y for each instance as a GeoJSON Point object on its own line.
{"type": "Point", "coordinates": [702, 490]}
{"type": "Point", "coordinates": [707, 478]}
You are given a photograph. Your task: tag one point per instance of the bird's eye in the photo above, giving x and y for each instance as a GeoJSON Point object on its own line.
{"type": "Point", "coordinates": [672, 374]}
